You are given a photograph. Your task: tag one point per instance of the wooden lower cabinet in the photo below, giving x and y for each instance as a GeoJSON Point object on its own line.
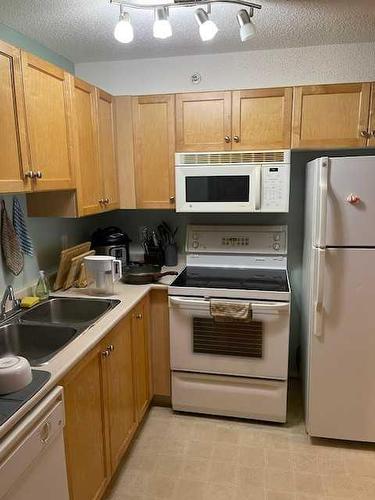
{"type": "Point", "coordinates": [140, 339]}
{"type": "Point", "coordinates": [120, 404]}
{"type": "Point", "coordinates": [106, 396]}
{"type": "Point", "coordinates": [86, 430]}
{"type": "Point", "coordinates": [160, 347]}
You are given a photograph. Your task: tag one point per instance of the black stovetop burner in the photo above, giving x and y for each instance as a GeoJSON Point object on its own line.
{"type": "Point", "coordinates": [270, 280]}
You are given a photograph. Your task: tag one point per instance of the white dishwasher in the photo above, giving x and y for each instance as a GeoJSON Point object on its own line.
{"type": "Point", "coordinates": [32, 456]}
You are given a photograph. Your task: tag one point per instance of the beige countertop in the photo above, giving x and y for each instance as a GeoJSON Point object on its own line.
{"type": "Point", "coordinates": [129, 296]}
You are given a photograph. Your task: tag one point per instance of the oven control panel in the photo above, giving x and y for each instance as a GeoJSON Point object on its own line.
{"type": "Point", "coordinates": [267, 240]}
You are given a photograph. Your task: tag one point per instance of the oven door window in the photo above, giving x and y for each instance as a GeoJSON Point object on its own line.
{"type": "Point", "coordinates": [217, 188]}
{"type": "Point", "coordinates": [228, 338]}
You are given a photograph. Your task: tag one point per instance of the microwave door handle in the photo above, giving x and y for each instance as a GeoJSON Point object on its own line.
{"type": "Point", "coordinates": [257, 187]}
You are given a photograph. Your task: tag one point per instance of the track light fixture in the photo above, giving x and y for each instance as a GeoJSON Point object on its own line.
{"type": "Point", "coordinates": [247, 27]}
{"type": "Point", "coordinates": [162, 28]}
{"type": "Point", "coordinates": [207, 28]}
{"type": "Point", "coordinates": [124, 32]}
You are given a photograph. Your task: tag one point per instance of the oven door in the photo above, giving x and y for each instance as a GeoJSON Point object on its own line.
{"type": "Point", "coordinates": [224, 188]}
{"type": "Point", "coordinates": [258, 348]}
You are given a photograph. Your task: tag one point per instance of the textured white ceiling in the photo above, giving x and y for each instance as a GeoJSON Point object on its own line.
{"type": "Point", "coordinates": [82, 30]}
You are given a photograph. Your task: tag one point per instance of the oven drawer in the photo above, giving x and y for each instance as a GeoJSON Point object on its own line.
{"type": "Point", "coordinates": [230, 396]}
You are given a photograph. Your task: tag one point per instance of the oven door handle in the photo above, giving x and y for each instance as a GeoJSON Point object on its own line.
{"type": "Point", "coordinates": [258, 307]}
{"type": "Point", "coordinates": [190, 303]}
{"type": "Point", "coordinates": [273, 307]}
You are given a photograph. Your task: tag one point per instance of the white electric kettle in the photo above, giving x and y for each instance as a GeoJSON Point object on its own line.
{"type": "Point", "coordinates": [102, 272]}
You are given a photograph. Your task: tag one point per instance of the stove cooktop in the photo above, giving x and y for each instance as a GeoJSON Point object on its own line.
{"type": "Point", "coordinates": [272, 280]}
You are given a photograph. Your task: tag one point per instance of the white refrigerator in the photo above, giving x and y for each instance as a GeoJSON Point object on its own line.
{"type": "Point", "coordinates": [338, 306]}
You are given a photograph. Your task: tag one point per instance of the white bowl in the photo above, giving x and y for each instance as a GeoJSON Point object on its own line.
{"type": "Point", "coordinates": [15, 373]}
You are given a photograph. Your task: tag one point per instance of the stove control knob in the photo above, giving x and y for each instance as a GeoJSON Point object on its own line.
{"type": "Point", "coordinates": [195, 244]}
{"type": "Point", "coordinates": [276, 246]}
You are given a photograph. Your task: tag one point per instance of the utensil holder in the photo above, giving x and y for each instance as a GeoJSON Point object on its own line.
{"type": "Point", "coordinates": [170, 254]}
{"type": "Point", "coordinates": [154, 256]}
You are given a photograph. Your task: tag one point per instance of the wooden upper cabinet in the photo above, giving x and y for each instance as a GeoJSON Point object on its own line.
{"type": "Point", "coordinates": [154, 147]}
{"type": "Point", "coordinates": [371, 129]}
{"type": "Point", "coordinates": [329, 116]}
{"type": "Point", "coordinates": [14, 157]}
{"type": "Point", "coordinates": [122, 420]}
{"type": "Point", "coordinates": [86, 153]}
{"type": "Point", "coordinates": [107, 153]}
{"type": "Point", "coordinates": [48, 107]}
{"type": "Point", "coordinates": [261, 119]}
{"type": "Point", "coordinates": [85, 430]}
{"type": "Point", "coordinates": [203, 121]}
{"type": "Point", "coordinates": [140, 343]}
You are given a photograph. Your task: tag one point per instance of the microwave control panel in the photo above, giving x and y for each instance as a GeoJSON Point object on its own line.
{"type": "Point", "coordinates": [275, 188]}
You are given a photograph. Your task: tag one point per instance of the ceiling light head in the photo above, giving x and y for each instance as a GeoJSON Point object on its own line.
{"type": "Point", "coordinates": [162, 27]}
{"type": "Point", "coordinates": [247, 27]}
{"type": "Point", "coordinates": [207, 28]}
{"type": "Point", "coordinates": [124, 32]}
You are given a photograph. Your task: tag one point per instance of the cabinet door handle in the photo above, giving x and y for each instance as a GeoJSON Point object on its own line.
{"type": "Point", "coordinates": [227, 138]}
{"type": "Point", "coordinates": [111, 348]}
{"type": "Point", "coordinates": [171, 199]}
{"type": "Point", "coordinates": [38, 174]}
{"type": "Point", "coordinates": [106, 201]}
{"type": "Point", "coordinates": [365, 134]}
{"type": "Point", "coordinates": [373, 133]}
{"type": "Point", "coordinates": [101, 202]}
{"type": "Point", "coordinates": [106, 353]}
{"type": "Point", "coordinates": [236, 138]}
{"type": "Point", "coordinates": [139, 316]}
{"type": "Point", "coordinates": [29, 174]}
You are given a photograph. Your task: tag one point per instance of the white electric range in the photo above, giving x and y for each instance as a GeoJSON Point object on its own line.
{"type": "Point", "coordinates": [229, 366]}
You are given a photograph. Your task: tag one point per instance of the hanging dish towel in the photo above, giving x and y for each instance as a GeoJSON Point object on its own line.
{"type": "Point", "coordinates": [20, 227]}
{"type": "Point", "coordinates": [221, 310]}
{"type": "Point", "coordinates": [12, 252]}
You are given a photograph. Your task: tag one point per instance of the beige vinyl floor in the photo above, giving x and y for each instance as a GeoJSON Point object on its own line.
{"type": "Point", "coordinates": [190, 457]}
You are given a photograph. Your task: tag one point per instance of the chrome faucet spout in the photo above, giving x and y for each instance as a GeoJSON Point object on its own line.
{"type": "Point", "coordinates": [8, 295]}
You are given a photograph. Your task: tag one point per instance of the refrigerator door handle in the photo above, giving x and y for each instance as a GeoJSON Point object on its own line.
{"type": "Point", "coordinates": [323, 188]}
{"type": "Point", "coordinates": [319, 293]}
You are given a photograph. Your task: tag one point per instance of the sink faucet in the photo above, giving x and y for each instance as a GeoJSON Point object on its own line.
{"type": "Point", "coordinates": [8, 295]}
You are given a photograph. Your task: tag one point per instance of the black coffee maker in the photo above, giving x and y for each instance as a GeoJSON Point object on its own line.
{"type": "Point", "coordinates": [111, 241]}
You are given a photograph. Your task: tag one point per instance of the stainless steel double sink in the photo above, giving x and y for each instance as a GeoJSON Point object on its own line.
{"type": "Point", "coordinates": [39, 333]}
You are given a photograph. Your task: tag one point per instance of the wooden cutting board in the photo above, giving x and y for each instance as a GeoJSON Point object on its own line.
{"type": "Point", "coordinates": [75, 266]}
{"type": "Point", "coordinates": [66, 257]}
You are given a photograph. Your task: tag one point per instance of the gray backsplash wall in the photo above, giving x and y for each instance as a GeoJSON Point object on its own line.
{"type": "Point", "coordinates": [49, 235]}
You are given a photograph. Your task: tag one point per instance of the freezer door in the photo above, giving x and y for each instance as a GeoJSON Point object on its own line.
{"type": "Point", "coordinates": [350, 210]}
{"type": "Point", "coordinates": [341, 373]}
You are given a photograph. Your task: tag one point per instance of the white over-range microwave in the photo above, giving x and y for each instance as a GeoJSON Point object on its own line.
{"type": "Point", "coordinates": [243, 181]}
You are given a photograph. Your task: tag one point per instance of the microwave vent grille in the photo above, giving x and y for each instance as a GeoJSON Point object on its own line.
{"type": "Point", "coordinates": [228, 157]}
